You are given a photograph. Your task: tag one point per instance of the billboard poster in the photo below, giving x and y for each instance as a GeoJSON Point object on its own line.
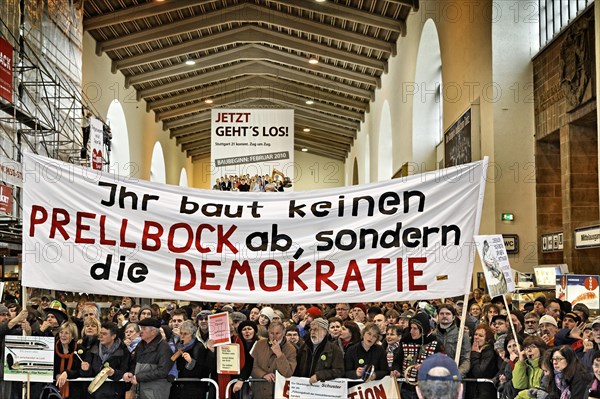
{"type": "Point", "coordinates": [6, 70]}
{"type": "Point", "coordinates": [252, 142]}
{"type": "Point", "coordinates": [579, 288]}
{"type": "Point", "coordinates": [496, 268]}
{"type": "Point", "coordinates": [457, 141]}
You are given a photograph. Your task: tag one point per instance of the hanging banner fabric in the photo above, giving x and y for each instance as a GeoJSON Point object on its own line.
{"type": "Point", "coordinates": [97, 141]}
{"type": "Point", "coordinates": [252, 141]}
{"type": "Point", "coordinates": [406, 239]}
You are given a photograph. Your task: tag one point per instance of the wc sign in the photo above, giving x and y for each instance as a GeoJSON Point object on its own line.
{"type": "Point", "coordinates": [5, 199]}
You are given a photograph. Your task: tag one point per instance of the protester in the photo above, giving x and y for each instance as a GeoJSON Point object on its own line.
{"type": "Point", "coordinates": [319, 359]}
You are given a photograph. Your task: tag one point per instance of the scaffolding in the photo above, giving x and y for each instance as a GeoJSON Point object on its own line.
{"type": "Point", "coordinates": [46, 111]}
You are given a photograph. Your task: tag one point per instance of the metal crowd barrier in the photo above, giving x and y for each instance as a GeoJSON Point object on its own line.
{"type": "Point", "coordinates": [347, 380]}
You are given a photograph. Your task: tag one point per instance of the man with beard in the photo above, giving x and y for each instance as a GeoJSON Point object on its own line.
{"type": "Point", "coordinates": [319, 359]}
{"type": "Point", "coordinates": [447, 334]}
{"type": "Point", "coordinates": [548, 329]}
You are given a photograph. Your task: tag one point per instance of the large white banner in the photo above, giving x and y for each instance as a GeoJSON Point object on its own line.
{"type": "Point", "coordinates": [252, 142]}
{"type": "Point", "coordinates": [405, 239]}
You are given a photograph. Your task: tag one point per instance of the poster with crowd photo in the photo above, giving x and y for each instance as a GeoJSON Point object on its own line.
{"type": "Point", "coordinates": [397, 240]}
{"type": "Point", "coordinates": [252, 142]}
{"type": "Point", "coordinates": [457, 141]}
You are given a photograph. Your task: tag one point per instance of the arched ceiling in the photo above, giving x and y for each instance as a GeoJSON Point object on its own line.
{"type": "Point", "coordinates": [252, 53]}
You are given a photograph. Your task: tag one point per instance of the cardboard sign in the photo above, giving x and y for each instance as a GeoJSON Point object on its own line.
{"type": "Point", "coordinates": [218, 328]}
{"type": "Point", "coordinates": [28, 356]}
{"type": "Point", "coordinates": [496, 268]}
{"type": "Point", "coordinates": [228, 359]}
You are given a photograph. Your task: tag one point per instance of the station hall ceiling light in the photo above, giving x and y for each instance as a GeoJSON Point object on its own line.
{"type": "Point", "coordinates": [306, 130]}
{"type": "Point", "coordinates": [304, 149]}
{"type": "Point", "coordinates": [313, 60]}
{"type": "Point", "coordinates": [190, 61]}
{"type": "Point", "coordinates": [309, 102]}
{"type": "Point", "coordinates": [208, 101]}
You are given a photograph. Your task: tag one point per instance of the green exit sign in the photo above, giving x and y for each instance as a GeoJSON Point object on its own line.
{"type": "Point", "coordinates": [508, 217]}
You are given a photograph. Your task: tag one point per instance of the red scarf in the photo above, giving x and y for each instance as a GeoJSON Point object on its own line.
{"type": "Point", "coordinates": [66, 362]}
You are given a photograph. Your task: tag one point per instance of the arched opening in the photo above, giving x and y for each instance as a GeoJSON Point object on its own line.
{"type": "Point", "coordinates": [157, 165]}
{"type": "Point", "coordinates": [119, 144]}
{"type": "Point", "coordinates": [355, 172]}
{"type": "Point", "coordinates": [367, 159]}
{"type": "Point", "coordinates": [384, 154]}
{"type": "Point", "coordinates": [183, 178]}
{"type": "Point", "coordinates": [427, 100]}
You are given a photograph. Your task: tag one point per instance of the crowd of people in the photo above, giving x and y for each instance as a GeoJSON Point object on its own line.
{"type": "Point", "coordinates": [247, 183]}
{"type": "Point", "coordinates": [153, 353]}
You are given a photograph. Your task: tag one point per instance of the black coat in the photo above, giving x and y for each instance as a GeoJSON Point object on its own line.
{"type": "Point", "coordinates": [118, 361]}
{"type": "Point", "coordinates": [199, 369]}
{"type": "Point", "coordinates": [356, 356]}
{"type": "Point", "coordinates": [484, 364]}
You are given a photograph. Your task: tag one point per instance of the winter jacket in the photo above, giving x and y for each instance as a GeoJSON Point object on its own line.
{"type": "Point", "coordinates": [449, 339]}
{"type": "Point", "coordinates": [266, 362]}
{"type": "Point", "coordinates": [119, 361]}
{"type": "Point", "coordinates": [527, 374]}
{"type": "Point", "coordinates": [326, 361]}
{"type": "Point", "coordinates": [357, 356]}
{"type": "Point", "coordinates": [197, 368]}
{"type": "Point", "coordinates": [152, 365]}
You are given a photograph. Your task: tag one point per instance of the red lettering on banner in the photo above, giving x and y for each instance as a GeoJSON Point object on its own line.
{"type": "Point", "coordinates": [412, 273]}
{"type": "Point", "coordinates": [399, 279]}
{"type": "Point", "coordinates": [80, 227]}
{"type": "Point", "coordinates": [59, 224]}
{"type": "Point", "coordinates": [353, 274]}
{"type": "Point", "coordinates": [204, 275]}
{"type": "Point", "coordinates": [148, 236]}
{"type": "Point", "coordinates": [223, 239]}
{"type": "Point", "coordinates": [177, 285]}
{"type": "Point", "coordinates": [199, 246]}
{"type": "Point", "coordinates": [103, 240]}
{"type": "Point", "coordinates": [171, 239]}
{"type": "Point", "coordinates": [295, 274]}
{"type": "Point", "coordinates": [122, 235]}
{"type": "Point", "coordinates": [324, 277]}
{"type": "Point", "coordinates": [261, 275]}
{"type": "Point", "coordinates": [378, 263]}
{"type": "Point", "coordinates": [34, 219]}
{"type": "Point", "coordinates": [243, 268]}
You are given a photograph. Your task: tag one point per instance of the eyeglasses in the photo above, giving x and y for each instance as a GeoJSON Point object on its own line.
{"type": "Point", "coordinates": [340, 309]}
{"type": "Point", "coordinates": [530, 321]}
{"type": "Point", "coordinates": [202, 318]}
{"type": "Point", "coordinates": [557, 359]}
{"type": "Point", "coordinates": [531, 347]}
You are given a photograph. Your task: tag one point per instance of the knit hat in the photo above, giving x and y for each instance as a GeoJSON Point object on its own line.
{"type": "Point", "coordinates": [361, 306]}
{"type": "Point", "coordinates": [238, 317]}
{"type": "Point", "coordinates": [145, 307]}
{"type": "Point", "coordinates": [374, 310]}
{"type": "Point", "coordinates": [268, 311]}
{"type": "Point", "coordinates": [595, 321]}
{"type": "Point", "coordinates": [421, 319]}
{"type": "Point", "coordinates": [548, 319]}
{"type": "Point", "coordinates": [247, 323]}
{"type": "Point", "coordinates": [541, 299]}
{"type": "Point", "coordinates": [314, 312]}
{"type": "Point", "coordinates": [203, 313]}
{"type": "Point", "coordinates": [407, 315]}
{"type": "Point", "coordinates": [3, 308]}
{"type": "Point", "coordinates": [320, 322]}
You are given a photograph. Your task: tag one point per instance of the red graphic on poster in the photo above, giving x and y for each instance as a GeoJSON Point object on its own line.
{"type": "Point", "coordinates": [6, 69]}
{"type": "Point", "coordinates": [97, 159]}
{"type": "Point", "coordinates": [5, 199]}
{"type": "Point", "coordinates": [591, 283]}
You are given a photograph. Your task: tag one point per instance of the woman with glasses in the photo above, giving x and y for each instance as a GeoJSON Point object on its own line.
{"type": "Point", "coordinates": [528, 371]}
{"type": "Point", "coordinates": [191, 363]}
{"type": "Point", "coordinates": [568, 378]}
